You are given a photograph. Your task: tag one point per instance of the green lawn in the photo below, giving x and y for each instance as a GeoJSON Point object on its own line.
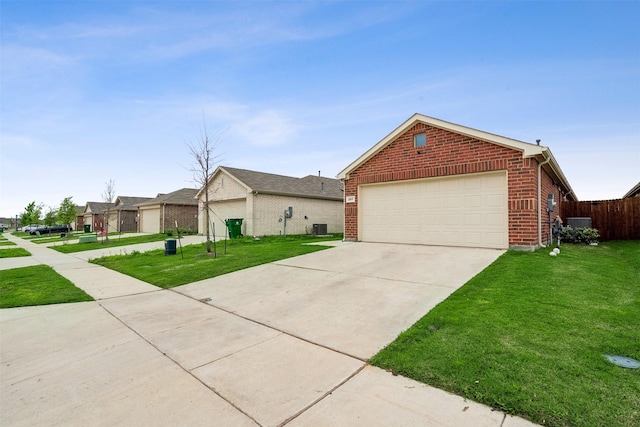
{"type": "Point", "coordinates": [528, 335]}
{"type": "Point", "coordinates": [13, 252]}
{"type": "Point", "coordinates": [37, 285]}
{"type": "Point", "coordinates": [113, 241]}
{"type": "Point", "coordinates": [168, 271]}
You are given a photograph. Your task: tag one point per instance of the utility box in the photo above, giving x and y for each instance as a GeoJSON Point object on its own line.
{"type": "Point", "coordinates": [579, 222]}
{"type": "Point", "coordinates": [319, 229]}
{"type": "Point", "coordinates": [170, 247]}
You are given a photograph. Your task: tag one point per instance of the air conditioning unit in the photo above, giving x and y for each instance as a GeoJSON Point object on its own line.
{"type": "Point", "coordinates": [319, 229]}
{"type": "Point", "coordinates": [579, 222]}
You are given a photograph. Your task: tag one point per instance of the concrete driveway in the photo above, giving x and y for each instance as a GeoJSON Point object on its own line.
{"type": "Point", "coordinates": [282, 343]}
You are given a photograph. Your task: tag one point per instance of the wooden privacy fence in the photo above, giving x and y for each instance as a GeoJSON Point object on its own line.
{"type": "Point", "coordinates": [615, 219]}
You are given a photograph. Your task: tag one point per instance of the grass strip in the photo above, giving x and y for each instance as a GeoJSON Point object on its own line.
{"type": "Point", "coordinates": [37, 285]}
{"type": "Point", "coordinates": [111, 243]}
{"type": "Point", "coordinates": [528, 334]}
{"type": "Point", "coordinates": [169, 271]}
{"type": "Point", "coordinates": [14, 252]}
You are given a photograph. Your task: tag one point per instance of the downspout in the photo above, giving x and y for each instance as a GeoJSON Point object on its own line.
{"type": "Point", "coordinates": [540, 200]}
{"type": "Point", "coordinates": [164, 205]}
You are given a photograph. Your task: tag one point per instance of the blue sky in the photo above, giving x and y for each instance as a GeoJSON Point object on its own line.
{"type": "Point", "coordinates": [98, 90]}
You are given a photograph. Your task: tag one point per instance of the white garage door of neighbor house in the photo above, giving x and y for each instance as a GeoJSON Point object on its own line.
{"type": "Point", "coordinates": [227, 209]}
{"type": "Point", "coordinates": [464, 210]}
{"type": "Point", "coordinates": [150, 220]}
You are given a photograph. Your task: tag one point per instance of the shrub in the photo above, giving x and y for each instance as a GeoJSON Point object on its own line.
{"type": "Point", "coordinates": [169, 231]}
{"type": "Point", "coordinates": [579, 235]}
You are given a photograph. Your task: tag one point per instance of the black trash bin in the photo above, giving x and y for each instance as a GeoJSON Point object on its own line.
{"type": "Point", "coordinates": [170, 247]}
{"type": "Point", "coordinates": [235, 227]}
{"type": "Point", "coordinates": [87, 228]}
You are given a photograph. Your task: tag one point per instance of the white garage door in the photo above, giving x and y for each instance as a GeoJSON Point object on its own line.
{"type": "Point", "coordinates": [465, 210]}
{"type": "Point", "coordinates": [150, 220]}
{"type": "Point", "coordinates": [227, 209]}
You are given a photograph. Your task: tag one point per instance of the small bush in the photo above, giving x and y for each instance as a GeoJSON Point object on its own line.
{"type": "Point", "coordinates": [579, 235]}
{"type": "Point", "coordinates": [186, 231]}
{"type": "Point", "coordinates": [169, 231]}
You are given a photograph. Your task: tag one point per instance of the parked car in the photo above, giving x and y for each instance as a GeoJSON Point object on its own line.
{"type": "Point", "coordinates": [28, 228]}
{"type": "Point", "coordinates": [50, 229]}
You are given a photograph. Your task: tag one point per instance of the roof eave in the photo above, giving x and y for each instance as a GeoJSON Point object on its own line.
{"type": "Point", "coordinates": [305, 196]}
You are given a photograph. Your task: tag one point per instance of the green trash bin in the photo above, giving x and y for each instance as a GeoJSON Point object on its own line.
{"type": "Point", "coordinates": [235, 227]}
{"type": "Point", "coordinates": [170, 247]}
{"type": "Point", "coordinates": [87, 228]}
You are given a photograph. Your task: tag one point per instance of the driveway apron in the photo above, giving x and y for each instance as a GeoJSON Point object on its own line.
{"type": "Point", "coordinates": [282, 343]}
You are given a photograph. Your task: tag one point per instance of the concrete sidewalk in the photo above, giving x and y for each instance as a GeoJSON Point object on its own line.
{"type": "Point", "coordinates": [280, 344]}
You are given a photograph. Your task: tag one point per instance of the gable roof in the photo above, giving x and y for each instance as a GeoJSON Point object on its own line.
{"type": "Point", "coordinates": [128, 203]}
{"type": "Point", "coordinates": [634, 192]}
{"type": "Point", "coordinates": [311, 186]}
{"type": "Point", "coordinates": [184, 196]}
{"type": "Point", "coordinates": [97, 207]}
{"type": "Point", "coordinates": [541, 153]}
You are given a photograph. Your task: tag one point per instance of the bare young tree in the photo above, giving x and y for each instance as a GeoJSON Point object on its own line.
{"type": "Point", "coordinates": [107, 197]}
{"type": "Point", "coordinates": [206, 159]}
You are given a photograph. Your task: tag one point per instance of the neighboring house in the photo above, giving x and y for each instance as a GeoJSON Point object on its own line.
{"type": "Point", "coordinates": [124, 215]}
{"type": "Point", "coordinates": [79, 224]}
{"type": "Point", "coordinates": [634, 192]}
{"type": "Point", "coordinates": [261, 199]}
{"type": "Point", "coordinates": [160, 214]}
{"type": "Point", "coordinates": [438, 183]}
{"type": "Point", "coordinates": [94, 213]}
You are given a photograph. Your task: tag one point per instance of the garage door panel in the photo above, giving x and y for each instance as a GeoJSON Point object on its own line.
{"type": "Point", "coordinates": [469, 210]}
{"type": "Point", "coordinates": [226, 209]}
{"type": "Point", "coordinates": [150, 220]}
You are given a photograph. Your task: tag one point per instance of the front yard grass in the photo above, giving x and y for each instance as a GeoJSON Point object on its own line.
{"type": "Point", "coordinates": [37, 285]}
{"type": "Point", "coordinates": [528, 335]}
{"type": "Point", "coordinates": [169, 271]}
{"type": "Point", "coordinates": [113, 241]}
{"type": "Point", "coordinates": [13, 252]}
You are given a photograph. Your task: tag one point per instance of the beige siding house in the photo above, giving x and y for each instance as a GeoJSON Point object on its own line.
{"type": "Point", "coordinates": [261, 200]}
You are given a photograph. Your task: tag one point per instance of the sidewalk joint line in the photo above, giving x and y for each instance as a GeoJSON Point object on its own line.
{"type": "Point", "coordinates": [318, 400]}
{"type": "Point", "coordinates": [179, 365]}
{"type": "Point", "coordinates": [272, 327]}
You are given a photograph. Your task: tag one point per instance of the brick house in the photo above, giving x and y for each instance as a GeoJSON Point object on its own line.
{"type": "Point", "coordinates": [261, 199]}
{"type": "Point", "coordinates": [94, 215]}
{"type": "Point", "coordinates": [79, 225]}
{"type": "Point", "coordinates": [124, 215]}
{"type": "Point", "coordinates": [438, 183]}
{"type": "Point", "coordinates": [161, 213]}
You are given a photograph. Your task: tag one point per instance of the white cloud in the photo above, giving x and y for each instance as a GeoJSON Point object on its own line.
{"type": "Point", "coordinates": [265, 128]}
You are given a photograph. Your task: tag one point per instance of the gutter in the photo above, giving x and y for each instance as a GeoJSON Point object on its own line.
{"type": "Point", "coordinates": [540, 200]}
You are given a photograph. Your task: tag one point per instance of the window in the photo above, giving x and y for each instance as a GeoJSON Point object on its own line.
{"type": "Point", "coordinates": [420, 140]}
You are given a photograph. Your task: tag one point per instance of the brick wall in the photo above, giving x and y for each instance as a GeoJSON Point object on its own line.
{"type": "Point", "coordinates": [128, 221]}
{"type": "Point", "coordinates": [96, 221]}
{"type": "Point", "coordinates": [449, 153]}
{"type": "Point", "coordinates": [186, 215]}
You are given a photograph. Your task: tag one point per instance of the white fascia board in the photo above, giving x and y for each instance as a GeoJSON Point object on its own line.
{"type": "Point", "coordinates": [527, 149]}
